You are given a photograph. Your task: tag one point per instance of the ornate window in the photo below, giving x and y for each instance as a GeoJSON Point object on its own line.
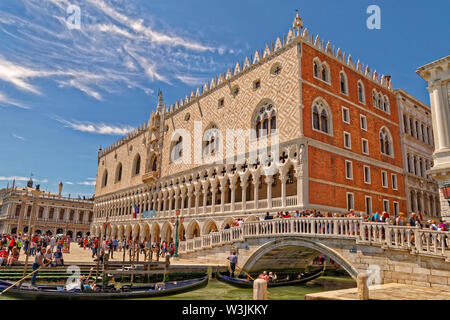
{"type": "Point", "coordinates": [276, 69]}
{"type": "Point", "coordinates": [177, 149]}
{"type": "Point", "coordinates": [105, 178]}
{"type": "Point", "coordinates": [154, 164]}
{"type": "Point", "coordinates": [266, 121]}
{"type": "Point", "coordinates": [321, 70]}
{"type": "Point", "coordinates": [235, 91]}
{"type": "Point", "coordinates": [361, 95]}
{"type": "Point", "coordinates": [137, 165]}
{"type": "Point", "coordinates": [386, 146]}
{"type": "Point", "coordinates": [316, 69]}
{"type": "Point", "coordinates": [211, 141]}
{"type": "Point", "coordinates": [321, 116]}
{"type": "Point", "coordinates": [119, 172]}
{"type": "Point", "coordinates": [343, 82]}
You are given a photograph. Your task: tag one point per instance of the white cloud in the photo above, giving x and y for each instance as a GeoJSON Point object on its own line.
{"type": "Point", "coordinates": [18, 137]}
{"type": "Point", "coordinates": [137, 25]}
{"type": "Point", "coordinates": [191, 81]}
{"type": "Point", "coordinates": [87, 183]}
{"type": "Point", "coordinates": [5, 101]}
{"type": "Point", "coordinates": [20, 178]}
{"type": "Point", "coordinates": [98, 128]}
{"type": "Point", "coordinates": [69, 182]}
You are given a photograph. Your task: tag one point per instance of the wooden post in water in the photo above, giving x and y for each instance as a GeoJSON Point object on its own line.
{"type": "Point", "coordinates": [363, 289]}
{"type": "Point", "coordinates": [259, 289]}
{"type": "Point", "coordinates": [123, 261]}
{"type": "Point", "coordinates": [132, 260]}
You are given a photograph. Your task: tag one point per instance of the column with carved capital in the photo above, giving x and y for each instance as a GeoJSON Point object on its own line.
{"type": "Point", "coordinates": [223, 188]}
{"type": "Point", "coordinates": [255, 180]}
{"type": "Point", "coordinates": [205, 184]}
{"type": "Point", "coordinates": [197, 187]}
{"type": "Point", "coordinates": [190, 189]}
{"type": "Point", "coordinates": [283, 179]}
{"type": "Point", "coordinates": [269, 180]}
{"type": "Point", "coordinates": [244, 184]}
{"type": "Point", "coordinates": [213, 183]}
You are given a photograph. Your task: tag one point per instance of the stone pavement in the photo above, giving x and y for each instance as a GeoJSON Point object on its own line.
{"type": "Point", "coordinates": [390, 291]}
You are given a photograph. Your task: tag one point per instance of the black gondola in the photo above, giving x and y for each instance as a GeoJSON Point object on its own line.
{"type": "Point", "coordinates": [104, 292]}
{"type": "Point", "coordinates": [242, 283]}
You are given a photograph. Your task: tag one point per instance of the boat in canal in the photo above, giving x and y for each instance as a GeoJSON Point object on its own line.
{"type": "Point", "coordinates": [245, 283]}
{"type": "Point", "coordinates": [26, 291]}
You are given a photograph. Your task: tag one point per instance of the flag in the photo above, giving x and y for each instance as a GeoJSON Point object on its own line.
{"type": "Point", "coordinates": [135, 211]}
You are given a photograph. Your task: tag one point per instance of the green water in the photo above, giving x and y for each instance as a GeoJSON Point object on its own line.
{"type": "Point", "coordinates": [217, 290]}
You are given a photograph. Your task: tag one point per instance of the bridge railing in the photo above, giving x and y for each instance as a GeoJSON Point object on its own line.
{"type": "Point", "coordinates": [429, 242]}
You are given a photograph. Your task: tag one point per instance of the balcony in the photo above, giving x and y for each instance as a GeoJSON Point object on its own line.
{"type": "Point", "coordinates": [149, 177]}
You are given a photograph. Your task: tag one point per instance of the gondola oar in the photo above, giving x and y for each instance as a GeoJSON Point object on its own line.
{"type": "Point", "coordinates": [245, 273]}
{"type": "Point", "coordinates": [28, 275]}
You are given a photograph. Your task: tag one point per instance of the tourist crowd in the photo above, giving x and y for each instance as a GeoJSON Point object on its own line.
{"type": "Point", "coordinates": [52, 247]}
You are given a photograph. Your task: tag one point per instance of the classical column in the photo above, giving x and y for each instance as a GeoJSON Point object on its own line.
{"type": "Point", "coordinates": [183, 197]}
{"type": "Point", "coordinates": [197, 196]}
{"type": "Point", "coordinates": [21, 214]}
{"type": "Point", "coordinates": [269, 181]}
{"type": "Point", "coordinates": [255, 180]}
{"type": "Point", "coordinates": [205, 184]}
{"type": "Point", "coordinates": [223, 188]}
{"type": "Point", "coordinates": [244, 184]}
{"type": "Point", "coordinates": [177, 197]}
{"type": "Point", "coordinates": [441, 117]}
{"type": "Point", "coordinates": [170, 200]}
{"type": "Point", "coordinates": [190, 188]}
{"type": "Point", "coordinates": [283, 179]}
{"type": "Point", "coordinates": [213, 183]}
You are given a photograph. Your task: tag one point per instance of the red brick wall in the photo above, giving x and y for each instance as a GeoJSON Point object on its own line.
{"type": "Point", "coordinates": [330, 166]}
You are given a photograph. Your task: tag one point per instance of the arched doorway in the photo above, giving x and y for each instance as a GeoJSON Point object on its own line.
{"type": "Point", "coordinates": [38, 231]}
{"type": "Point", "coordinates": [79, 234]}
{"type": "Point", "coordinates": [69, 233]}
{"type": "Point", "coordinates": [14, 231]}
{"type": "Point", "coordinates": [155, 232]}
{"type": "Point", "coordinates": [166, 232]}
{"type": "Point", "coordinates": [209, 226]}
{"type": "Point", "coordinates": [193, 230]}
{"type": "Point", "coordinates": [49, 233]}
{"type": "Point", "coordinates": [59, 231]}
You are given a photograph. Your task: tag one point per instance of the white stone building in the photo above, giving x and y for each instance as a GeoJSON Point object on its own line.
{"type": "Point", "coordinates": [422, 192]}
{"type": "Point", "coordinates": [437, 74]}
{"type": "Point", "coordinates": [54, 214]}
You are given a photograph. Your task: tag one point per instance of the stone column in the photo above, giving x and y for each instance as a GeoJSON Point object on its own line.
{"type": "Point", "coordinates": [255, 181]}
{"type": "Point", "coordinates": [197, 196]}
{"type": "Point", "coordinates": [283, 179]}
{"type": "Point", "coordinates": [269, 181]}
{"type": "Point", "coordinates": [440, 118]}
{"type": "Point", "coordinates": [205, 184]}
{"type": "Point", "coordinates": [244, 185]}
{"type": "Point", "coordinates": [21, 214]}
{"type": "Point", "coordinates": [213, 183]}
{"type": "Point", "coordinates": [223, 188]}
{"type": "Point", "coordinates": [170, 200]}
{"type": "Point", "coordinates": [190, 194]}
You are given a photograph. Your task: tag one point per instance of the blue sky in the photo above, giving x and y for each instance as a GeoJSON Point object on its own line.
{"type": "Point", "coordinates": [64, 92]}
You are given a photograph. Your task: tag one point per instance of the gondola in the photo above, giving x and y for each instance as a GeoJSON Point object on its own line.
{"type": "Point", "coordinates": [242, 283]}
{"type": "Point", "coordinates": [104, 292]}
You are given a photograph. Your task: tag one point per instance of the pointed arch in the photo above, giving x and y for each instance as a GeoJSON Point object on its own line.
{"type": "Point", "coordinates": [209, 226]}
{"type": "Point", "coordinates": [265, 119]}
{"type": "Point", "coordinates": [136, 165]}
{"type": "Point", "coordinates": [386, 143]}
{"type": "Point", "coordinates": [343, 82]}
{"type": "Point", "coordinates": [105, 178]}
{"type": "Point", "coordinates": [361, 92]}
{"type": "Point", "coordinates": [321, 116]}
{"type": "Point", "coordinates": [119, 171]}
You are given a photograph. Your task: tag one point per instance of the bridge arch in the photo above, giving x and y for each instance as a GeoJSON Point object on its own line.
{"type": "Point", "coordinates": [266, 248]}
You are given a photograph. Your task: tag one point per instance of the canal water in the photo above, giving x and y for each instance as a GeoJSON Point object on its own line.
{"type": "Point", "coordinates": [217, 290]}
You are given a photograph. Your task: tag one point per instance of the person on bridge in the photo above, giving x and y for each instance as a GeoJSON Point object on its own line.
{"type": "Point", "coordinates": [233, 261]}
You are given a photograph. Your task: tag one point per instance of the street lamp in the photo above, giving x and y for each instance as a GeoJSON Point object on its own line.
{"type": "Point", "coordinates": [176, 220]}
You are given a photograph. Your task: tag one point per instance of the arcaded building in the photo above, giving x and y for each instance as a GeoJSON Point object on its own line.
{"type": "Point", "coordinates": [422, 191]}
{"type": "Point", "coordinates": [54, 214]}
{"type": "Point", "coordinates": [298, 124]}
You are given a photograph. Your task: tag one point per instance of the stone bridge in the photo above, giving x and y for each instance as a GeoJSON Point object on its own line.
{"type": "Point", "coordinates": [386, 252]}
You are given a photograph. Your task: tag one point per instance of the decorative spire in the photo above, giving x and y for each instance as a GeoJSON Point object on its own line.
{"type": "Point", "coordinates": [160, 101]}
{"type": "Point", "coordinates": [298, 23]}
